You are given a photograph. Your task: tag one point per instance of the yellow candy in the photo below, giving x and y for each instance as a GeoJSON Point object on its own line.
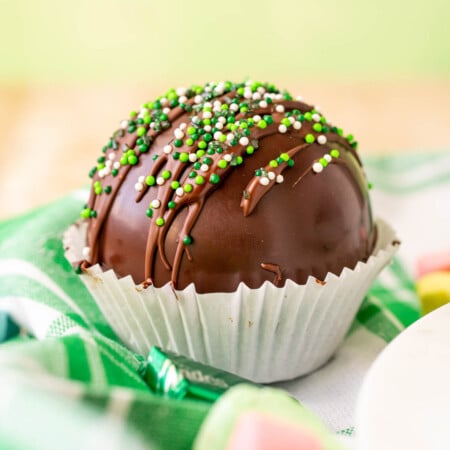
{"type": "Point", "coordinates": [433, 290]}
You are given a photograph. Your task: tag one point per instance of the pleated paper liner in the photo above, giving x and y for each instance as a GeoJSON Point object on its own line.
{"type": "Point", "coordinates": [266, 334]}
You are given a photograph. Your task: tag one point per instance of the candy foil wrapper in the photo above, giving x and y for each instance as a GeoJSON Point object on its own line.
{"type": "Point", "coordinates": [176, 376]}
{"type": "Point", "coordinates": [267, 334]}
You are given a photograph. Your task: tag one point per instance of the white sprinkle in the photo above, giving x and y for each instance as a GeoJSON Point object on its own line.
{"type": "Point", "coordinates": [282, 128]}
{"type": "Point", "coordinates": [222, 119]}
{"type": "Point", "coordinates": [256, 96]}
{"type": "Point", "coordinates": [124, 124]}
{"type": "Point", "coordinates": [181, 90]}
{"type": "Point", "coordinates": [155, 204]}
{"type": "Point", "coordinates": [227, 157]}
{"type": "Point", "coordinates": [217, 135]}
{"type": "Point", "coordinates": [207, 88]}
{"type": "Point", "coordinates": [263, 104]}
{"type": "Point", "coordinates": [264, 181]}
{"type": "Point", "coordinates": [230, 137]}
{"type": "Point", "coordinates": [166, 110]}
{"type": "Point", "coordinates": [317, 167]}
{"type": "Point", "coordinates": [280, 178]}
{"type": "Point", "coordinates": [216, 108]}
{"type": "Point", "coordinates": [234, 107]}
{"type": "Point", "coordinates": [160, 181]}
{"type": "Point", "coordinates": [279, 108]}
{"type": "Point", "coordinates": [182, 99]}
{"type": "Point", "coordinates": [291, 119]}
{"type": "Point", "coordinates": [248, 82]}
{"type": "Point", "coordinates": [271, 175]}
{"type": "Point", "coordinates": [256, 118]}
{"type": "Point", "coordinates": [167, 149]}
{"type": "Point", "coordinates": [139, 187]}
{"type": "Point", "coordinates": [164, 101]}
{"type": "Point", "coordinates": [244, 140]}
{"type": "Point", "coordinates": [316, 117]}
{"type": "Point", "coordinates": [207, 128]}
{"type": "Point", "coordinates": [217, 103]}
{"type": "Point", "coordinates": [321, 139]}
{"type": "Point", "coordinates": [207, 105]}
{"type": "Point", "coordinates": [108, 163]}
{"type": "Point", "coordinates": [112, 156]}
{"type": "Point", "coordinates": [299, 98]}
{"type": "Point", "coordinates": [219, 125]}
{"type": "Point", "coordinates": [87, 252]}
{"type": "Point", "coordinates": [207, 114]}
{"type": "Point", "coordinates": [179, 191]}
{"type": "Point", "coordinates": [317, 108]}
{"type": "Point", "coordinates": [192, 157]}
{"type": "Point", "coordinates": [198, 99]}
{"type": "Point", "coordinates": [182, 126]}
{"type": "Point", "coordinates": [297, 125]}
{"type": "Point", "coordinates": [141, 179]}
{"type": "Point", "coordinates": [261, 89]}
{"type": "Point", "coordinates": [178, 134]}
{"type": "Point", "coordinates": [248, 94]}
{"type": "Point", "coordinates": [327, 157]}
{"type": "Point", "coordinates": [279, 96]}
{"type": "Point", "coordinates": [142, 112]}
{"type": "Point", "coordinates": [204, 167]}
{"type": "Point", "coordinates": [116, 165]}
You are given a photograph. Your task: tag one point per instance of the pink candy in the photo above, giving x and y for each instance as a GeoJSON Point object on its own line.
{"type": "Point", "coordinates": [433, 262]}
{"type": "Point", "coordinates": [258, 431]}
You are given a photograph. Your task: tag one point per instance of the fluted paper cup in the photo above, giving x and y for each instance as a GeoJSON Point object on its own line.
{"type": "Point", "coordinates": [266, 334]}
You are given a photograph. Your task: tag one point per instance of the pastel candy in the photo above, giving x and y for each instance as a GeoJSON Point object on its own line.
{"type": "Point", "coordinates": [290, 422]}
{"type": "Point", "coordinates": [258, 431]}
{"type": "Point", "coordinates": [433, 290]}
{"type": "Point", "coordinates": [433, 262]}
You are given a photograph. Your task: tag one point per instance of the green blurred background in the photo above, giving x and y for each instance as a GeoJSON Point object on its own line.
{"type": "Point", "coordinates": [91, 40]}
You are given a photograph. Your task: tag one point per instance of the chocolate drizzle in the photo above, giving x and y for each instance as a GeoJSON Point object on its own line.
{"type": "Point", "coordinates": [200, 173]}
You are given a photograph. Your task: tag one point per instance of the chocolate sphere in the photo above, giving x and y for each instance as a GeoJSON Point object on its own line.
{"type": "Point", "coordinates": [225, 184]}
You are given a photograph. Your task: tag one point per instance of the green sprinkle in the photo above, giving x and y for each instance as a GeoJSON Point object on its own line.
{"type": "Point", "coordinates": [222, 164]}
{"type": "Point", "coordinates": [85, 213]}
{"type": "Point", "coordinates": [309, 138]}
{"type": "Point", "coordinates": [207, 160]}
{"type": "Point", "coordinates": [286, 122]}
{"type": "Point", "coordinates": [166, 174]}
{"type": "Point", "coordinates": [262, 124]}
{"type": "Point", "coordinates": [258, 172]}
{"type": "Point", "coordinates": [141, 131]}
{"type": "Point", "coordinates": [175, 185]}
{"type": "Point", "coordinates": [124, 160]}
{"type": "Point", "coordinates": [184, 157]}
{"type": "Point", "coordinates": [291, 162]}
{"type": "Point", "coordinates": [187, 240]}
{"type": "Point", "coordinates": [149, 212]}
{"type": "Point", "coordinates": [350, 137]}
{"type": "Point", "coordinates": [317, 127]}
{"type": "Point", "coordinates": [133, 114]}
{"type": "Point", "coordinates": [200, 153]}
{"type": "Point", "coordinates": [199, 179]}
{"type": "Point", "coordinates": [250, 150]}
{"type": "Point", "coordinates": [239, 160]}
{"type": "Point", "coordinates": [369, 185]}
{"type": "Point", "coordinates": [190, 131]}
{"type": "Point", "coordinates": [133, 160]}
{"type": "Point", "coordinates": [197, 165]}
{"type": "Point", "coordinates": [176, 156]}
{"type": "Point", "coordinates": [178, 143]}
{"type": "Point", "coordinates": [334, 153]}
{"type": "Point", "coordinates": [114, 172]}
{"type": "Point", "coordinates": [214, 178]}
{"type": "Point", "coordinates": [171, 204]}
{"type": "Point", "coordinates": [308, 116]}
{"type": "Point", "coordinates": [93, 213]}
{"type": "Point", "coordinates": [160, 221]}
{"type": "Point", "coordinates": [324, 162]}
{"type": "Point", "coordinates": [192, 174]}
{"type": "Point", "coordinates": [98, 190]}
{"type": "Point", "coordinates": [189, 141]}
{"type": "Point", "coordinates": [188, 187]}
{"type": "Point", "coordinates": [202, 144]}
{"type": "Point", "coordinates": [108, 190]}
{"type": "Point", "coordinates": [150, 180]}
{"type": "Point", "coordinates": [223, 138]}
{"type": "Point", "coordinates": [143, 148]}
{"type": "Point", "coordinates": [273, 163]}
{"type": "Point", "coordinates": [284, 157]}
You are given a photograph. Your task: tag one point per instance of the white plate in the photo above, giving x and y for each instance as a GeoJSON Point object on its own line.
{"type": "Point", "coordinates": [405, 398]}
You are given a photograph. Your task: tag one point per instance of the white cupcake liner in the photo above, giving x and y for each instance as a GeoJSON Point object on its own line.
{"type": "Point", "coordinates": [266, 334]}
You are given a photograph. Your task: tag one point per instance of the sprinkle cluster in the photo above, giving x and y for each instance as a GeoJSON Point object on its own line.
{"type": "Point", "coordinates": [222, 117]}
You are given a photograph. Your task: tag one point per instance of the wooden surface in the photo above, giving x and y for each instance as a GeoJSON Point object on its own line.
{"type": "Point", "coordinates": [51, 136]}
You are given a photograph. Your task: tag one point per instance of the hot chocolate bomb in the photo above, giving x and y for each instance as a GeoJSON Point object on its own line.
{"type": "Point", "coordinates": [224, 184]}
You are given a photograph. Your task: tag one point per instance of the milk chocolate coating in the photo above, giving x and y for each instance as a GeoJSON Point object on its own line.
{"type": "Point", "coordinates": [308, 225]}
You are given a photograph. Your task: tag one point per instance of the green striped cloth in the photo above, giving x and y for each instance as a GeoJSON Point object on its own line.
{"type": "Point", "coordinates": [68, 382]}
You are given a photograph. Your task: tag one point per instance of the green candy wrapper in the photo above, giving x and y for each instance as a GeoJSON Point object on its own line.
{"type": "Point", "coordinates": [176, 376]}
